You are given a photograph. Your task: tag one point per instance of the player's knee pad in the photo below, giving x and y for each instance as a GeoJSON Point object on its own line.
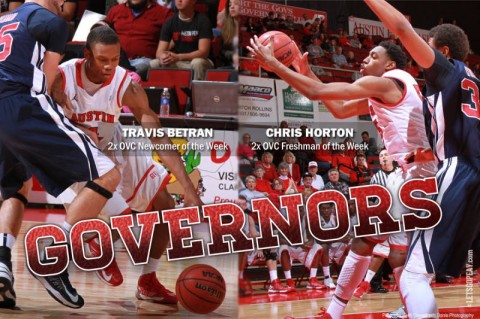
{"type": "Point", "coordinates": [270, 256]}
{"type": "Point", "coordinates": [99, 189]}
{"type": "Point", "coordinates": [18, 196]}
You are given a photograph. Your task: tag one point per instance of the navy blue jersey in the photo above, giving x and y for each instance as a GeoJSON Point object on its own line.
{"type": "Point", "coordinates": [452, 110]}
{"type": "Point", "coordinates": [25, 34]}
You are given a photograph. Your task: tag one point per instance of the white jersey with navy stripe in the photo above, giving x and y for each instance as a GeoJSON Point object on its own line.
{"type": "Point", "coordinates": [401, 125]}
{"type": "Point", "coordinates": [86, 110]}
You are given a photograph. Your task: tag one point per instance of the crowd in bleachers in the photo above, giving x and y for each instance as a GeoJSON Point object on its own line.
{"type": "Point", "coordinates": [272, 174]}
{"type": "Point", "coordinates": [329, 50]}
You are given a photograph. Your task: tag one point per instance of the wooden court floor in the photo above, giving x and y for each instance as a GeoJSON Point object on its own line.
{"type": "Point", "coordinates": [304, 304]}
{"type": "Point", "coordinates": [102, 301]}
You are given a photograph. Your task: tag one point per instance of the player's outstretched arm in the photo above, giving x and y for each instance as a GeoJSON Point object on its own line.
{"type": "Point", "coordinates": [396, 22]}
{"type": "Point", "coordinates": [136, 99]}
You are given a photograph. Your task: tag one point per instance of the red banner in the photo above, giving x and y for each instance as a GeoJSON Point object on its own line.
{"type": "Point", "coordinates": [260, 9]}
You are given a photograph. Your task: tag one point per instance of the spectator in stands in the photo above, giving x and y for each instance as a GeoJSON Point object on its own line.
{"type": "Point", "coordinates": [293, 167]}
{"type": "Point", "coordinates": [229, 34]}
{"type": "Point", "coordinates": [222, 4]}
{"type": "Point", "coordinates": [249, 192]}
{"type": "Point", "coordinates": [318, 70]}
{"type": "Point", "coordinates": [138, 24]}
{"type": "Point", "coordinates": [324, 155]}
{"type": "Point", "coordinates": [306, 184]}
{"type": "Point", "coordinates": [326, 44]}
{"type": "Point", "coordinates": [360, 174]}
{"type": "Point", "coordinates": [170, 4]}
{"type": "Point", "coordinates": [339, 60]}
{"type": "Point", "coordinates": [343, 38]}
{"type": "Point", "coordinates": [191, 34]}
{"type": "Point", "coordinates": [268, 21]}
{"type": "Point", "coordinates": [250, 25]}
{"type": "Point", "coordinates": [368, 42]}
{"type": "Point", "coordinates": [307, 155]}
{"type": "Point", "coordinates": [315, 49]}
{"type": "Point", "coordinates": [289, 185]}
{"type": "Point", "coordinates": [476, 70]}
{"type": "Point", "coordinates": [268, 166]}
{"type": "Point", "coordinates": [350, 147]}
{"type": "Point", "coordinates": [290, 23]}
{"type": "Point", "coordinates": [245, 149]}
{"type": "Point", "coordinates": [370, 144]}
{"type": "Point", "coordinates": [304, 20]}
{"type": "Point", "coordinates": [334, 44]}
{"type": "Point", "coordinates": [352, 62]}
{"type": "Point", "coordinates": [334, 182]}
{"type": "Point", "coordinates": [262, 185]}
{"type": "Point", "coordinates": [317, 180]}
{"type": "Point", "coordinates": [276, 192]}
{"type": "Point", "coordinates": [249, 66]}
{"type": "Point", "coordinates": [355, 42]}
{"type": "Point", "coordinates": [343, 162]}
{"type": "Point", "coordinates": [308, 31]}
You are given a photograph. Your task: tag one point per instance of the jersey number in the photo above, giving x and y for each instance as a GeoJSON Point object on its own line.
{"type": "Point", "coordinates": [471, 109]}
{"type": "Point", "coordinates": [6, 40]}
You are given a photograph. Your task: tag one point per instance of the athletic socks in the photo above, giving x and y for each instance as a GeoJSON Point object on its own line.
{"type": "Point", "coordinates": [370, 274]}
{"type": "Point", "coordinates": [151, 266]}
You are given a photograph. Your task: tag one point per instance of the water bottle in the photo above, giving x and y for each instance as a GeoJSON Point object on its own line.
{"type": "Point", "coordinates": [165, 103]}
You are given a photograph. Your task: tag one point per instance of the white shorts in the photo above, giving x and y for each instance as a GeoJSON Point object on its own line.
{"type": "Point", "coordinates": [298, 253]}
{"type": "Point", "coordinates": [382, 249]}
{"type": "Point", "coordinates": [336, 252]}
{"type": "Point", "coordinates": [141, 178]}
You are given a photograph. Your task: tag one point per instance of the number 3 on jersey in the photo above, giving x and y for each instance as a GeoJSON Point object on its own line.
{"type": "Point", "coordinates": [6, 40]}
{"type": "Point", "coordinates": [472, 108]}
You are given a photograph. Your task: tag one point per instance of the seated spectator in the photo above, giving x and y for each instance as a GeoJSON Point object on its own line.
{"type": "Point", "coordinates": [249, 25]}
{"type": "Point", "coordinates": [185, 41]}
{"type": "Point", "coordinates": [229, 34]}
{"type": "Point", "coordinates": [276, 192]}
{"type": "Point", "coordinates": [289, 185]}
{"type": "Point", "coordinates": [351, 60]}
{"type": "Point", "coordinates": [318, 70]}
{"type": "Point", "coordinates": [324, 155]}
{"type": "Point", "coordinates": [476, 70]}
{"type": "Point", "coordinates": [317, 180]}
{"type": "Point", "coordinates": [138, 24]}
{"type": "Point", "coordinates": [343, 39]}
{"type": "Point", "coordinates": [269, 167]}
{"type": "Point", "coordinates": [350, 147]}
{"type": "Point", "coordinates": [327, 45]}
{"type": "Point", "coordinates": [303, 157]}
{"type": "Point", "coordinates": [268, 21]}
{"type": "Point", "coordinates": [338, 59]}
{"type": "Point", "coordinates": [368, 43]}
{"type": "Point", "coordinates": [355, 42]}
{"type": "Point", "coordinates": [293, 168]}
{"type": "Point", "coordinates": [315, 49]}
{"type": "Point", "coordinates": [306, 184]}
{"type": "Point", "coordinates": [245, 149]}
{"type": "Point", "coordinates": [360, 175]}
{"type": "Point", "coordinates": [343, 162]}
{"type": "Point", "coordinates": [369, 143]}
{"type": "Point", "coordinates": [334, 182]}
{"type": "Point", "coordinates": [262, 184]}
{"type": "Point", "coordinates": [290, 23]}
{"type": "Point", "coordinates": [249, 192]}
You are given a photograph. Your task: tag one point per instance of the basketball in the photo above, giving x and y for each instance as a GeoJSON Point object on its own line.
{"type": "Point", "coordinates": [284, 48]}
{"type": "Point", "coordinates": [200, 288]}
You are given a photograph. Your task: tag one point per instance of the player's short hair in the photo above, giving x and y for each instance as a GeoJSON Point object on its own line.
{"type": "Point", "coordinates": [453, 37]}
{"type": "Point", "coordinates": [395, 53]}
{"type": "Point", "coordinates": [101, 34]}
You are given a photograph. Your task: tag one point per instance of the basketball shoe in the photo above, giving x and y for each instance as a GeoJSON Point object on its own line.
{"type": "Point", "coordinates": [111, 275]}
{"type": "Point", "coordinates": [400, 313]}
{"type": "Point", "coordinates": [150, 289]}
{"type": "Point", "coordinates": [361, 290]}
{"type": "Point", "coordinates": [291, 283]}
{"type": "Point", "coordinates": [329, 283]}
{"type": "Point", "coordinates": [314, 284]}
{"type": "Point", "coordinates": [60, 289]}
{"type": "Point", "coordinates": [276, 287]}
{"type": "Point", "coordinates": [7, 294]}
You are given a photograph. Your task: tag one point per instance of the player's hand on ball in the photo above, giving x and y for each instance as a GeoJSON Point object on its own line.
{"type": "Point", "coordinates": [262, 53]}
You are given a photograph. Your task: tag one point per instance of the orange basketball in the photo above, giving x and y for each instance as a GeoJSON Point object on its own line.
{"type": "Point", "coordinates": [284, 48]}
{"type": "Point", "coordinates": [200, 288]}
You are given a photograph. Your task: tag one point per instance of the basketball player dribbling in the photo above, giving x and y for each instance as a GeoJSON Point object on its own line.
{"type": "Point", "coordinates": [97, 85]}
